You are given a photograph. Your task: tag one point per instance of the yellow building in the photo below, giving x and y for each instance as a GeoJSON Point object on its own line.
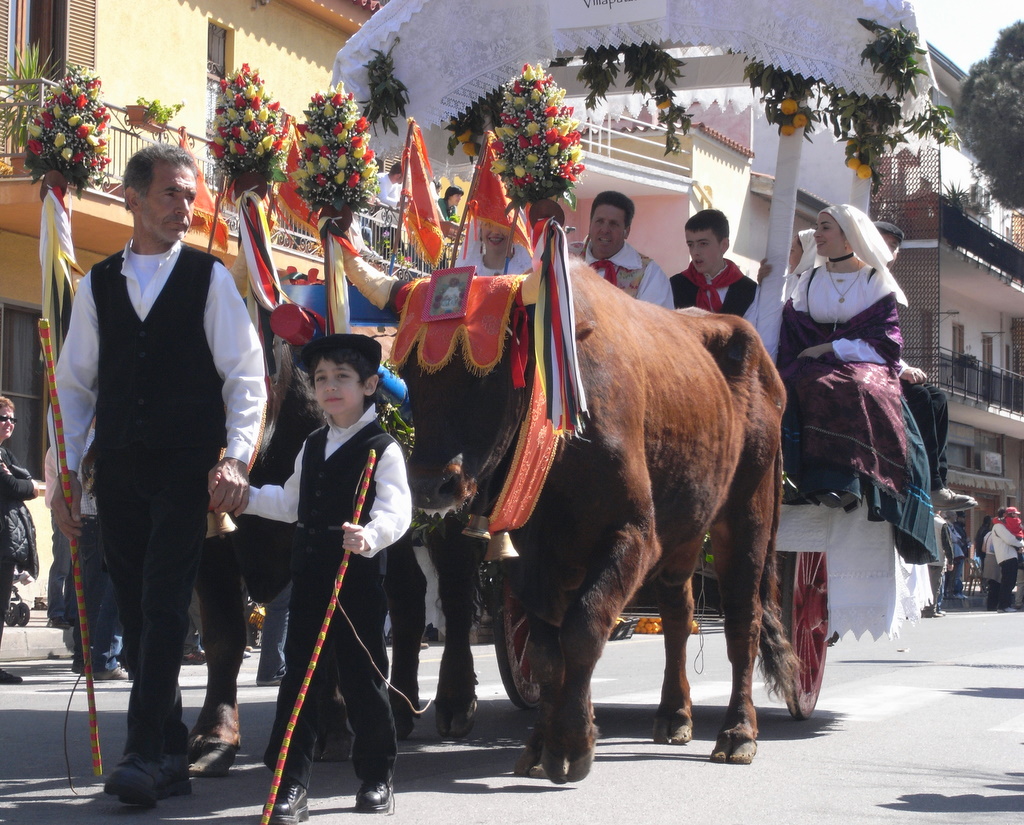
{"type": "Point", "coordinates": [173, 51]}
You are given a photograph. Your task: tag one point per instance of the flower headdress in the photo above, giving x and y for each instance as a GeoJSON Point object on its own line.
{"type": "Point", "coordinates": [539, 142]}
{"type": "Point", "coordinates": [68, 134]}
{"type": "Point", "coordinates": [249, 126]}
{"type": "Point", "coordinates": [337, 165]}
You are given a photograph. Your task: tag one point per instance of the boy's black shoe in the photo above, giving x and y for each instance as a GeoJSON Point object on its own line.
{"type": "Point", "coordinates": [173, 779]}
{"type": "Point", "coordinates": [290, 807]}
{"type": "Point", "coordinates": [375, 798]}
{"type": "Point", "coordinates": [134, 781]}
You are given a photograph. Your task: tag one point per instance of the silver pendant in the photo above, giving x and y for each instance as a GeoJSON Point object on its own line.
{"type": "Point", "coordinates": [842, 300]}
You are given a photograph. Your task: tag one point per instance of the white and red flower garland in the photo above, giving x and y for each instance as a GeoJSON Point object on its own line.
{"type": "Point", "coordinates": [337, 167]}
{"type": "Point", "coordinates": [539, 141]}
{"type": "Point", "coordinates": [69, 133]}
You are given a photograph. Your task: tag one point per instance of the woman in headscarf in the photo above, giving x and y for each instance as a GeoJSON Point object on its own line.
{"type": "Point", "coordinates": [845, 435]}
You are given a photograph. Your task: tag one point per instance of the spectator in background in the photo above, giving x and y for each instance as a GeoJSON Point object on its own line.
{"type": "Point", "coordinates": [391, 185]}
{"type": "Point", "coordinates": [990, 568]}
{"type": "Point", "coordinates": [60, 584]}
{"type": "Point", "coordinates": [1007, 540]}
{"type": "Point", "coordinates": [17, 533]}
{"type": "Point", "coordinates": [961, 547]}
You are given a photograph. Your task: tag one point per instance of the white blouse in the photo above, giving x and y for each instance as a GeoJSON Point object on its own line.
{"type": "Point", "coordinates": [835, 298]}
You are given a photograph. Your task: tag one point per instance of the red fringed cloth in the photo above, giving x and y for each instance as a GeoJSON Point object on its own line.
{"type": "Point", "coordinates": [535, 453]}
{"type": "Point", "coordinates": [494, 307]}
{"type": "Point", "coordinates": [481, 332]}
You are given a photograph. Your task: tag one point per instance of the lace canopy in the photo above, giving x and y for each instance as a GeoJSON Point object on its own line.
{"type": "Point", "coordinates": [450, 54]}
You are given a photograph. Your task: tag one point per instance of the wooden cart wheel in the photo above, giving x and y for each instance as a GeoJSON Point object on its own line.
{"type": "Point", "coordinates": [511, 633]}
{"type": "Point", "coordinates": [804, 603]}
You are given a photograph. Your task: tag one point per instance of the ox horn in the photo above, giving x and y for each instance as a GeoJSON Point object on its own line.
{"type": "Point", "coordinates": [374, 284]}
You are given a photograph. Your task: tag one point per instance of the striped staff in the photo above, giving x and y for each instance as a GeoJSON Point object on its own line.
{"type": "Point", "coordinates": [65, 486]}
{"type": "Point", "coordinates": [286, 740]}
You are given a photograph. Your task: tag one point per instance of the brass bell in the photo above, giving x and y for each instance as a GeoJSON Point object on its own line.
{"type": "Point", "coordinates": [500, 548]}
{"type": "Point", "coordinates": [477, 528]}
{"type": "Point", "coordinates": [219, 524]}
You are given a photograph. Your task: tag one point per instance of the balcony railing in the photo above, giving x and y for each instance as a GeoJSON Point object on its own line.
{"type": "Point", "coordinates": [981, 243]}
{"type": "Point", "coordinates": [628, 140]}
{"type": "Point", "coordinates": [964, 376]}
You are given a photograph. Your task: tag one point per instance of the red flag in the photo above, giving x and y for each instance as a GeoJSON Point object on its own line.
{"type": "Point", "coordinates": [289, 203]}
{"type": "Point", "coordinates": [420, 216]}
{"type": "Point", "coordinates": [205, 208]}
{"type": "Point", "coordinates": [488, 202]}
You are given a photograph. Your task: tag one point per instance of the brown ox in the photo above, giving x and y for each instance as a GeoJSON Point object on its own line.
{"type": "Point", "coordinates": [682, 438]}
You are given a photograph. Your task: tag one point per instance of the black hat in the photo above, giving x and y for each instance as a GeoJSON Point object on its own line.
{"type": "Point", "coordinates": [368, 347]}
{"type": "Point", "coordinates": [890, 229]}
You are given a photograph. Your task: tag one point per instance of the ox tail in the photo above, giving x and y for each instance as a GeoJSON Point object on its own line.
{"type": "Point", "coordinates": [779, 664]}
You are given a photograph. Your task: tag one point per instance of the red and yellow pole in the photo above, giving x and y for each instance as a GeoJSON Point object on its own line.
{"type": "Point", "coordinates": [65, 486]}
{"type": "Point", "coordinates": [286, 740]}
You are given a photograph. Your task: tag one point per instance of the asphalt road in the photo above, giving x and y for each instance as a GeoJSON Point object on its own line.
{"type": "Point", "coordinates": [927, 728]}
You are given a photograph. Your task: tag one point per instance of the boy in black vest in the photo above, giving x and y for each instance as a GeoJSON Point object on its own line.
{"type": "Point", "coordinates": [320, 497]}
{"type": "Point", "coordinates": [712, 281]}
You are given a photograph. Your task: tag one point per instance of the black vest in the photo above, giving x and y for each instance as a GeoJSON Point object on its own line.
{"type": "Point", "coordinates": [157, 382]}
{"type": "Point", "coordinates": [738, 297]}
{"type": "Point", "coordinates": [328, 490]}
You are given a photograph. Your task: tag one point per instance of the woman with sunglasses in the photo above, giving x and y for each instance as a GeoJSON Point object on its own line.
{"type": "Point", "coordinates": [17, 534]}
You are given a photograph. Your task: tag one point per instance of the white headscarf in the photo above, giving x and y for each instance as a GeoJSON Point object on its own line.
{"type": "Point", "coordinates": [867, 244]}
{"type": "Point", "coordinates": [810, 258]}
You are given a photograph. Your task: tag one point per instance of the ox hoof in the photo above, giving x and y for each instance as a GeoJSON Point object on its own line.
{"type": "Point", "coordinates": [211, 758]}
{"type": "Point", "coordinates": [673, 731]}
{"type": "Point", "coordinates": [561, 769]}
{"type": "Point", "coordinates": [455, 724]}
{"type": "Point", "coordinates": [734, 752]}
{"type": "Point", "coordinates": [336, 748]}
{"type": "Point", "coordinates": [527, 763]}
{"type": "Point", "coordinates": [405, 723]}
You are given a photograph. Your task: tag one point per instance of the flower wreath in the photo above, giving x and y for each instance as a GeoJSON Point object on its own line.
{"type": "Point", "coordinates": [68, 134]}
{"type": "Point", "coordinates": [249, 126]}
{"type": "Point", "coordinates": [538, 140]}
{"type": "Point", "coordinates": [337, 166]}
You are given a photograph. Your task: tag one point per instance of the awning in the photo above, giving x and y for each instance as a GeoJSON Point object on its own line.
{"type": "Point", "coordinates": [981, 482]}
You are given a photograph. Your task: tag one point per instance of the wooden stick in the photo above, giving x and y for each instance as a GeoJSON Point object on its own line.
{"type": "Point", "coordinates": [65, 485]}
{"type": "Point", "coordinates": [286, 740]}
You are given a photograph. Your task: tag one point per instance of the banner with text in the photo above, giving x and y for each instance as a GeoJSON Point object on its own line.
{"type": "Point", "coordinates": [576, 14]}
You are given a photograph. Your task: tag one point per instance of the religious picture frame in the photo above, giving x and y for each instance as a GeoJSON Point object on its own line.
{"type": "Point", "coordinates": [448, 293]}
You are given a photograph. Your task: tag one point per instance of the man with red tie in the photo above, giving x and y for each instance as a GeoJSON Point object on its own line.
{"type": "Point", "coordinates": [711, 281]}
{"type": "Point", "coordinates": [606, 250]}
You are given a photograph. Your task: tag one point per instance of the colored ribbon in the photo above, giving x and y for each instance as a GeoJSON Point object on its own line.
{"type": "Point", "coordinates": [57, 260]}
{"type": "Point", "coordinates": [335, 243]}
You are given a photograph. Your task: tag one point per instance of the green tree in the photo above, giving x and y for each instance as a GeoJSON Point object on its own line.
{"type": "Point", "coordinates": [991, 115]}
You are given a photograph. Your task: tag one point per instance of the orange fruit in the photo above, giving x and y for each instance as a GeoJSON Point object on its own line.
{"type": "Point", "coordinates": [787, 130]}
{"type": "Point", "coordinates": [854, 163]}
{"type": "Point", "coordinates": [799, 120]}
{"type": "Point", "coordinates": [863, 171]}
{"type": "Point", "coordinates": [788, 106]}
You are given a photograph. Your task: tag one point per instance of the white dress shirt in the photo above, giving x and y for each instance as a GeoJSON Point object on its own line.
{"type": "Point", "coordinates": [237, 354]}
{"type": "Point", "coordinates": [654, 285]}
{"type": "Point", "coordinates": [391, 514]}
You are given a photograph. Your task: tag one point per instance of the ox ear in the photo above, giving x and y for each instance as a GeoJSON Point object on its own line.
{"type": "Point", "coordinates": [376, 286]}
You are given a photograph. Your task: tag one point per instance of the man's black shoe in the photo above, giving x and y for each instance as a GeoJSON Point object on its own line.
{"type": "Point", "coordinates": [173, 779]}
{"type": "Point", "coordinates": [375, 798]}
{"type": "Point", "coordinates": [134, 781]}
{"type": "Point", "coordinates": [290, 807]}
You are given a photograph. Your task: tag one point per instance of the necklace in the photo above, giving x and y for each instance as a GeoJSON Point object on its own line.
{"type": "Point", "coordinates": [841, 258]}
{"type": "Point", "coordinates": [840, 292]}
